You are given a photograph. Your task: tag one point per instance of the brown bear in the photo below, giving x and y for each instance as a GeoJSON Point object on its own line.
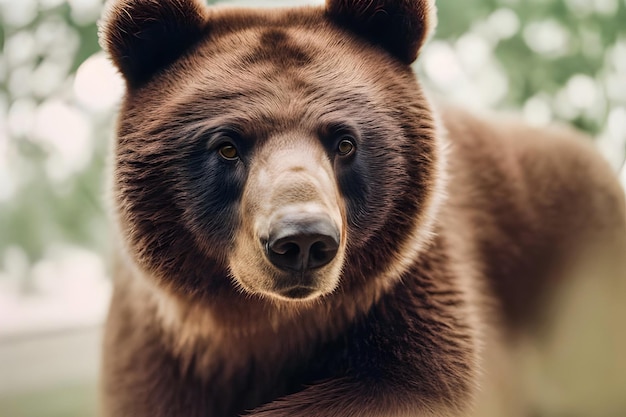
{"type": "Point", "coordinates": [303, 234]}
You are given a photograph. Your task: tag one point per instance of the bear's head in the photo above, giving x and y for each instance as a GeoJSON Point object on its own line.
{"type": "Point", "coordinates": [273, 155]}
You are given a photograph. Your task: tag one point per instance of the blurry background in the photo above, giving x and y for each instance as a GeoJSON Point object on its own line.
{"type": "Point", "coordinates": [546, 59]}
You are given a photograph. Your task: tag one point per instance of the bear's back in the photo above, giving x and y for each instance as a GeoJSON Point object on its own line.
{"type": "Point", "coordinates": [533, 200]}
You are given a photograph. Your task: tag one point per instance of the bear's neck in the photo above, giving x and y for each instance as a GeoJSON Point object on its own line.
{"type": "Point", "coordinates": [241, 329]}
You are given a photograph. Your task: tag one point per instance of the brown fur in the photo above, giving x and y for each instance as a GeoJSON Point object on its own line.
{"type": "Point", "coordinates": [397, 321]}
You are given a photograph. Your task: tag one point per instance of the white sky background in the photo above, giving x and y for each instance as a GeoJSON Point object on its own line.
{"type": "Point", "coordinates": [57, 112]}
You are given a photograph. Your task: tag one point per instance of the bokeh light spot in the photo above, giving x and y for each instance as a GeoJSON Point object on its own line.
{"type": "Point", "coordinates": [97, 85]}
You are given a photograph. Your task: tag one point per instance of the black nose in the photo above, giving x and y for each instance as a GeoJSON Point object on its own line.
{"type": "Point", "coordinates": [301, 241]}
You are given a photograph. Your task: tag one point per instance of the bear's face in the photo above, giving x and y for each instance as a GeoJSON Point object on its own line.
{"type": "Point", "coordinates": [284, 154]}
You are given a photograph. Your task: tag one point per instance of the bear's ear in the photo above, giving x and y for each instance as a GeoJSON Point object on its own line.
{"type": "Point", "coordinates": [400, 26]}
{"type": "Point", "coordinates": [144, 36]}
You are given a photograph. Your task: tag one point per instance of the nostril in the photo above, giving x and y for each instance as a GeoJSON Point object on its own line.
{"type": "Point", "coordinates": [322, 252]}
{"type": "Point", "coordinates": [285, 254]}
{"type": "Point", "coordinates": [286, 249]}
{"type": "Point", "coordinates": [300, 242]}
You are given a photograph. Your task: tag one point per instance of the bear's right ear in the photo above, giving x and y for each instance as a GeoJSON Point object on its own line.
{"type": "Point", "coordinates": [399, 26]}
{"type": "Point", "coordinates": [144, 36]}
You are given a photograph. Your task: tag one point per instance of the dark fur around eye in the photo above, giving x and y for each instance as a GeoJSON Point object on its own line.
{"type": "Point", "coordinates": [213, 188]}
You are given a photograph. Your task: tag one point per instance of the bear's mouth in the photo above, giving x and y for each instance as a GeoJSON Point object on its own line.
{"type": "Point", "coordinates": [298, 292]}
{"type": "Point", "coordinates": [297, 285]}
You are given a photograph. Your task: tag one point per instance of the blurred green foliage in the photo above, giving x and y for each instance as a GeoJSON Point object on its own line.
{"type": "Point", "coordinates": [591, 28]}
{"type": "Point", "coordinates": [40, 210]}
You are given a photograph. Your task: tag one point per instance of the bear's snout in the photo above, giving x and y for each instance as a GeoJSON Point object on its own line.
{"type": "Point", "coordinates": [292, 239]}
{"type": "Point", "coordinates": [302, 241]}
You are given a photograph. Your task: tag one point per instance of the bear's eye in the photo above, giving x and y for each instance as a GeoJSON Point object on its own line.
{"type": "Point", "coordinates": [346, 147]}
{"type": "Point", "coordinates": [228, 152]}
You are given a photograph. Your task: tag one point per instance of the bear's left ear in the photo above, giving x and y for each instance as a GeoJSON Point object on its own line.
{"type": "Point", "coordinates": [144, 36]}
{"type": "Point", "coordinates": [400, 26]}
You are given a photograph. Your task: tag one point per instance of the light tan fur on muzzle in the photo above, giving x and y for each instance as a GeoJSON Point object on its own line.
{"type": "Point", "coordinates": [289, 174]}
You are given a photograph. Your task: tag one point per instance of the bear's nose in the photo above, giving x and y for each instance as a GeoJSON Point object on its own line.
{"type": "Point", "coordinates": [302, 241]}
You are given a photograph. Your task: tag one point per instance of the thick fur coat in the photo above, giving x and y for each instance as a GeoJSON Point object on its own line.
{"type": "Point", "coordinates": [437, 234]}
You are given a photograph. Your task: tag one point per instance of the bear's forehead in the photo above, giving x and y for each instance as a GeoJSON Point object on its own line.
{"type": "Point", "coordinates": [271, 51]}
{"type": "Point", "coordinates": [275, 71]}
{"type": "Point", "coordinates": [287, 51]}
{"type": "Point", "coordinates": [275, 58]}
{"type": "Point", "coordinates": [270, 79]}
